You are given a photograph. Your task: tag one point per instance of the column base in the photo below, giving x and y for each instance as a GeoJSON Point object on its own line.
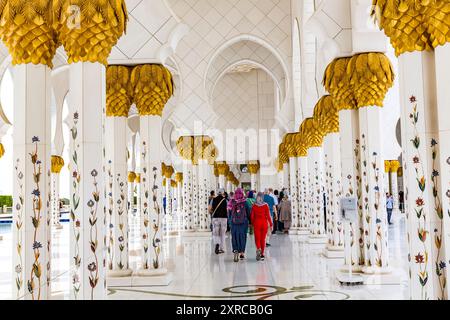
{"type": "Point", "coordinates": [355, 268]}
{"type": "Point", "coordinates": [333, 252]}
{"type": "Point", "coordinates": [303, 232]}
{"type": "Point", "coordinates": [345, 279]}
{"type": "Point", "coordinates": [188, 234]}
{"type": "Point", "coordinates": [151, 277]}
{"type": "Point", "coordinates": [293, 232]}
{"type": "Point", "coordinates": [203, 234]}
{"type": "Point", "coordinates": [119, 273]}
{"type": "Point", "coordinates": [142, 278]}
{"type": "Point", "coordinates": [318, 239]}
{"type": "Point", "coordinates": [382, 276]}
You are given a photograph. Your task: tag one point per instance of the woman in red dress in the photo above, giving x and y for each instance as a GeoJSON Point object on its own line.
{"type": "Point", "coordinates": [260, 219]}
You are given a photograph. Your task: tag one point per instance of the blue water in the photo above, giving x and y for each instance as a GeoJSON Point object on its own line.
{"type": "Point", "coordinates": [5, 228]}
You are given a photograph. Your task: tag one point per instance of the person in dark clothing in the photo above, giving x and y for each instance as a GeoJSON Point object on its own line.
{"type": "Point", "coordinates": [219, 221]}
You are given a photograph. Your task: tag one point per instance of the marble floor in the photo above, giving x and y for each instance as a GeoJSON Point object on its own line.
{"type": "Point", "coordinates": [294, 269]}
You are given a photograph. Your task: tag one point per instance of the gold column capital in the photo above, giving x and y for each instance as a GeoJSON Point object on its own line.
{"type": "Point", "coordinates": [138, 178]}
{"type": "Point", "coordinates": [336, 82]}
{"type": "Point", "coordinates": [173, 184]}
{"type": "Point", "coordinates": [90, 34]}
{"type": "Point", "coordinates": [326, 114]}
{"type": "Point", "coordinates": [387, 166]}
{"type": "Point", "coordinates": [185, 146]}
{"type": "Point", "coordinates": [152, 88]}
{"type": "Point", "coordinates": [371, 76]}
{"type": "Point", "coordinates": [300, 145]}
{"type": "Point", "coordinates": [413, 25]}
{"type": "Point", "coordinates": [359, 81]}
{"type": "Point", "coordinates": [119, 92]}
{"type": "Point", "coordinates": [167, 170]}
{"type": "Point", "coordinates": [222, 168]}
{"type": "Point", "coordinates": [253, 167]}
{"type": "Point", "coordinates": [312, 133]}
{"type": "Point", "coordinates": [179, 177]}
{"type": "Point", "coordinates": [26, 28]}
{"type": "Point", "coordinates": [131, 176]}
{"type": "Point", "coordinates": [394, 165]}
{"type": "Point", "coordinates": [57, 163]}
{"type": "Point", "coordinates": [2, 150]}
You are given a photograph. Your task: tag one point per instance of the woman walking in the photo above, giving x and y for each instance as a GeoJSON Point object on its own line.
{"type": "Point", "coordinates": [260, 218]}
{"type": "Point", "coordinates": [239, 224]}
{"type": "Point", "coordinates": [249, 204]}
{"type": "Point", "coordinates": [284, 208]}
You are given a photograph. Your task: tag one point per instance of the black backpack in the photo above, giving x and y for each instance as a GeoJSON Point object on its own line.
{"type": "Point", "coordinates": [239, 214]}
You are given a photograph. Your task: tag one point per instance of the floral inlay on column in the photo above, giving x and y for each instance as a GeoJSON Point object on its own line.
{"type": "Point", "coordinates": [19, 225]}
{"type": "Point", "coordinates": [361, 234]}
{"type": "Point", "coordinates": [76, 224]}
{"type": "Point", "coordinates": [381, 236]}
{"type": "Point", "coordinates": [120, 212]}
{"type": "Point", "coordinates": [93, 233]}
{"type": "Point", "coordinates": [110, 205]}
{"type": "Point", "coordinates": [440, 264]}
{"type": "Point", "coordinates": [36, 271]}
{"type": "Point", "coordinates": [421, 257]}
{"type": "Point", "coordinates": [145, 205]}
{"type": "Point", "coordinates": [156, 241]}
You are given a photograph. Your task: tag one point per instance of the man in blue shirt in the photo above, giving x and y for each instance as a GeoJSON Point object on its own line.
{"type": "Point", "coordinates": [272, 208]}
{"type": "Point", "coordinates": [389, 206]}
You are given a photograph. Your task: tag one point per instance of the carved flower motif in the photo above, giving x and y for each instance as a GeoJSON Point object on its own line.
{"type": "Point", "coordinates": [18, 268]}
{"type": "Point", "coordinates": [37, 245]}
{"type": "Point", "coordinates": [35, 139]}
{"type": "Point", "coordinates": [94, 173]}
{"type": "Point", "coordinates": [412, 99]}
{"type": "Point", "coordinates": [92, 267]}
{"type": "Point", "coordinates": [433, 142]}
{"type": "Point", "coordinates": [90, 203]}
{"type": "Point", "coordinates": [420, 202]}
{"type": "Point", "coordinates": [420, 258]}
{"type": "Point", "coordinates": [416, 160]}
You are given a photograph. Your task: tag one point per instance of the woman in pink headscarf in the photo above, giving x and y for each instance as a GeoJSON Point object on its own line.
{"type": "Point", "coordinates": [239, 224]}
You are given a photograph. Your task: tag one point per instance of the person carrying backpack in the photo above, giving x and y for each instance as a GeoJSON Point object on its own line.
{"type": "Point", "coordinates": [239, 224]}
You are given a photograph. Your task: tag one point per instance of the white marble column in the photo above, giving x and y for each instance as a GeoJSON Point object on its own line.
{"type": "Point", "coordinates": [286, 177]}
{"type": "Point", "coordinates": [188, 218]}
{"type": "Point", "coordinates": [203, 215]}
{"type": "Point", "coordinates": [335, 228]}
{"type": "Point", "coordinates": [87, 99]}
{"type": "Point", "coordinates": [222, 181]}
{"type": "Point", "coordinates": [303, 192]}
{"type": "Point", "coordinates": [293, 194]}
{"type": "Point", "coordinates": [351, 183]}
{"type": "Point", "coordinates": [117, 204]}
{"type": "Point", "coordinates": [443, 99]}
{"type": "Point", "coordinates": [374, 198]}
{"type": "Point", "coordinates": [151, 196]}
{"type": "Point", "coordinates": [31, 183]}
{"type": "Point", "coordinates": [418, 116]}
{"type": "Point", "coordinates": [395, 165]}
{"type": "Point", "coordinates": [315, 170]}
{"type": "Point", "coordinates": [195, 197]}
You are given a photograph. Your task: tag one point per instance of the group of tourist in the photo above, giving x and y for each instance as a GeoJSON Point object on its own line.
{"type": "Point", "coordinates": [242, 214]}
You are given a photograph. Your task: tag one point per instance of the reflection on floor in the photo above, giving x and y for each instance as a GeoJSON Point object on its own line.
{"type": "Point", "coordinates": [293, 269]}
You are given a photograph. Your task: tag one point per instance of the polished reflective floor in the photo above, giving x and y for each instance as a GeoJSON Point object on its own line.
{"type": "Point", "coordinates": [293, 269]}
